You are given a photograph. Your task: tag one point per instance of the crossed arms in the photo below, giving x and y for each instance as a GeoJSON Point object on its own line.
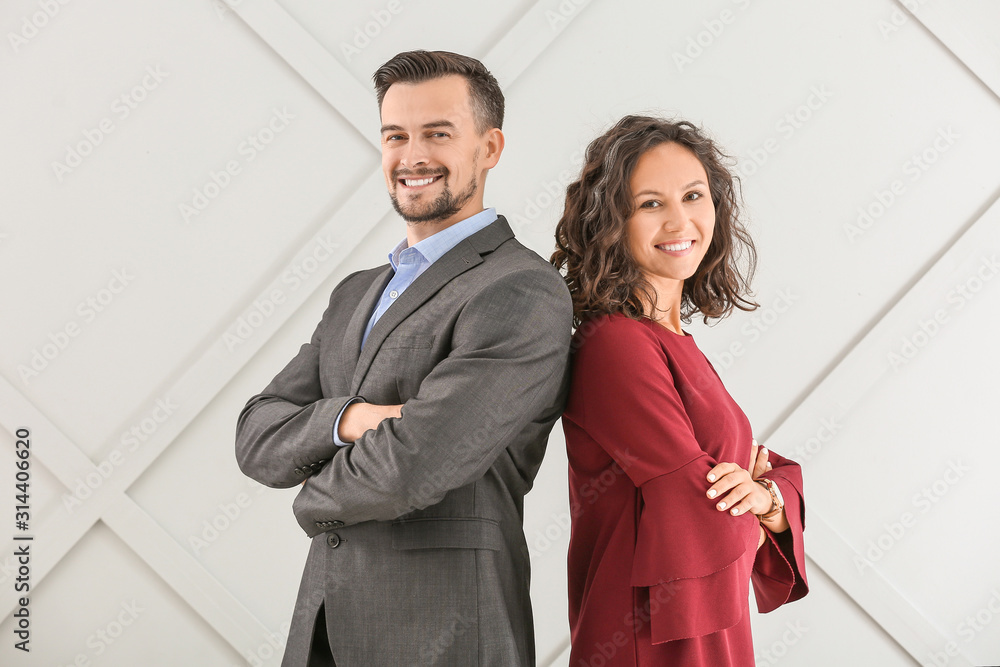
{"type": "Point", "coordinates": [504, 379]}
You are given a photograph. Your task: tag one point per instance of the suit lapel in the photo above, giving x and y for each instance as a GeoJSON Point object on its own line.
{"type": "Point", "coordinates": [467, 254]}
{"type": "Point", "coordinates": [363, 313]}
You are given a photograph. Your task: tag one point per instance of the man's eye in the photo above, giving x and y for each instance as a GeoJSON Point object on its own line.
{"type": "Point", "coordinates": [439, 134]}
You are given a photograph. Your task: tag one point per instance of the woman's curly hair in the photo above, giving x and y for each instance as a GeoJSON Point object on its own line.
{"type": "Point", "coordinates": [592, 235]}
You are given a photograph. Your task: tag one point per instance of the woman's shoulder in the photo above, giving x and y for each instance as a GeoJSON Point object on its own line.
{"type": "Point", "coordinates": [613, 329]}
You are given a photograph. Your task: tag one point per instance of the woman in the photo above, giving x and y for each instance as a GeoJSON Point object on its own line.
{"type": "Point", "coordinates": [674, 508]}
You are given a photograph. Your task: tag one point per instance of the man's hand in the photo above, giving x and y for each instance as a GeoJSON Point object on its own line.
{"type": "Point", "coordinates": [361, 417]}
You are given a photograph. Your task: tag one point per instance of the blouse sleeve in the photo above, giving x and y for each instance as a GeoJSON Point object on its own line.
{"type": "Point", "coordinates": [695, 560]}
{"type": "Point", "coordinates": [779, 573]}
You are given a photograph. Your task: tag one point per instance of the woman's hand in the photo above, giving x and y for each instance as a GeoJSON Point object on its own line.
{"type": "Point", "coordinates": [758, 460]}
{"type": "Point", "coordinates": [734, 489]}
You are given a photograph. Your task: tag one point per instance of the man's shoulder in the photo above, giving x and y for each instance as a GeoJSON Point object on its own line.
{"type": "Point", "coordinates": [513, 258]}
{"type": "Point", "coordinates": [361, 279]}
{"type": "Point", "coordinates": [353, 287]}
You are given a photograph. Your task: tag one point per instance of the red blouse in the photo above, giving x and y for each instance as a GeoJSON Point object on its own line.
{"type": "Point", "coordinates": [657, 575]}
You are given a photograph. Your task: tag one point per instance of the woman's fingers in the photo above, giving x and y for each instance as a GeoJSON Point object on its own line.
{"type": "Point", "coordinates": [739, 500]}
{"type": "Point", "coordinates": [760, 465]}
{"type": "Point", "coordinates": [734, 490]}
{"type": "Point", "coordinates": [737, 496]}
{"type": "Point", "coordinates": [721, 470]}
{"type": "Point", "coordinates": [728, 476]}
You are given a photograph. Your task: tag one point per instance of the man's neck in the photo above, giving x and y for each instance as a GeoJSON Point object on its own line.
{"type": "Point", "coordinates": [417, 232]}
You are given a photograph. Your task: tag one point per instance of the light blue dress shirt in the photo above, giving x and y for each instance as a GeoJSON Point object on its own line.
{"type": "Point", "coordinates": [409, 262]}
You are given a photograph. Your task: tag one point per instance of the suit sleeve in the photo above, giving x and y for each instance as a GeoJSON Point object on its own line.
{"type": "Point", "coordinates": [507, 368]}
{"type": "Point", "coordinates": [689, 555]}
{"type": "Point", "coordinates": [285, 433]}
{"type": "Point", "coordinates": [779, 573]}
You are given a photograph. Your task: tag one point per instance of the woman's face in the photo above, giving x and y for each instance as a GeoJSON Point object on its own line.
{"type": "Point", "coordinates": [672, 223]}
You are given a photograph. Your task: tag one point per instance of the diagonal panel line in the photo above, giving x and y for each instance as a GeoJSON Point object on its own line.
{"type": "Point", "coordinates": [559, 654]}
{"type": "Point", "coordinates": [159, 550]}
{"type": "Point", "coordinates": [62, 458]}
{"type": "Point", "coordinates": [875, 595]}
{"type": "Point", "coordinates": [218, 366]}
{"type": "Point", "coordinates": [186, 575]}
{"type": "Point", "coordinates": [314, 63]}
{"type": "Point", "coordinates": [981, 56]}
{"type": "Point", "coordinates": [843, 388]}
{"type": "Point", "coordinates": [520, 47]}
{"type": "Point", "coordinates": [191, 392]}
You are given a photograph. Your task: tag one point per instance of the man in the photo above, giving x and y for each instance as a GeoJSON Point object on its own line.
{"type": "Point", "coordinates": [417, 415]}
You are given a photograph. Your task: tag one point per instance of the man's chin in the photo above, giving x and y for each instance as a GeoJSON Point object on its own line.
{"type": "Point", "coordinates": [416, 217]}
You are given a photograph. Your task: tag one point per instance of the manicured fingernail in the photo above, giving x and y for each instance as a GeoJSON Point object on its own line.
{"type": "Point", "coordinates": [754, 442]}
{"type": "Point", "coordinates": [764, 450]}
{"type": "Point", "coordinates": [735, 511]}
{"type": "Point", "coordinates": [722, 505]}
{"type": "Point", "coordinates": [711, 493]}
{"type": "Point", "coordinates": [711, 477]}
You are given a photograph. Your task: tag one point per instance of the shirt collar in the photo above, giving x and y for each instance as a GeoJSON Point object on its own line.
{"type": "Point", "coordinates": [436, 245]}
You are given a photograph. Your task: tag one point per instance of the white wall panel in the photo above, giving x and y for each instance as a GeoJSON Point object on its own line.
{"type": "Point", "coordinates": [866, 136]}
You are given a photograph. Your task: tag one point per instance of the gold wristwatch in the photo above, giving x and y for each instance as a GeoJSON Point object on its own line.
{"type": "Point", "coordinates": [777, 502]}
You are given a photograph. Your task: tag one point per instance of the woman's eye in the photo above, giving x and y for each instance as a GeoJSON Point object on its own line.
{"type": "Point", "coordinates": [652, 203]}
{"type": "Point", "coordinates": [695, 195]}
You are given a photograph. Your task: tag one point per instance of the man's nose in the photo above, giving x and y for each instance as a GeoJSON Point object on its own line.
{"type": "Point", "coordinates": [414, 155]}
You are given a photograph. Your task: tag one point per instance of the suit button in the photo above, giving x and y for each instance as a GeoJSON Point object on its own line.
{"type": "Point", "coordinates": [333, 539]}
{"type": "Point", "coordinates": [336, 524]}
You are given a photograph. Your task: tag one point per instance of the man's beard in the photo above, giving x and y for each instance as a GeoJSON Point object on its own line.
{"type": "Point", "coordinates": [446, 205]}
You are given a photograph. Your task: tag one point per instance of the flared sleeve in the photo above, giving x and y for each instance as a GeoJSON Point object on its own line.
{"type": "Point", "coordinates": [694, 559]}
{"type": "Point", "coordinates": [779, 573]}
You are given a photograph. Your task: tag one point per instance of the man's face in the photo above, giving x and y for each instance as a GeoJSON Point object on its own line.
{"type": "Point", "coordinates": [431, 151]}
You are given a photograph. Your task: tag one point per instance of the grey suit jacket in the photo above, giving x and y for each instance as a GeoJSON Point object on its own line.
{"type": "Point", "coordinates": [418, 554]}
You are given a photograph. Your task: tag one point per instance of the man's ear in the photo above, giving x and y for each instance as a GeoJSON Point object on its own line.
{"type": "Point", "coordinates": [494, 147]}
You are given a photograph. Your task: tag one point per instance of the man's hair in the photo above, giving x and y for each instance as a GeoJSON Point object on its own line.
{"type": "Point", "coordinates": [592, 238]}
{"type": "Point", "coordinates": [417, 66]}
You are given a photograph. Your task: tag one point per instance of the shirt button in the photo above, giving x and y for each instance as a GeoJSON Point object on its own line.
{"type": "Point", "coordinates": [393, 294]}
{"type": "Point", "coordinates": [333, 539]}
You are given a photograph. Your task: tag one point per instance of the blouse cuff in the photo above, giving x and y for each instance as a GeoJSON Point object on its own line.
{"type": "Point", "coordinates": [695, 560]}
{"type": "Point", "coordinates": [779, 568]}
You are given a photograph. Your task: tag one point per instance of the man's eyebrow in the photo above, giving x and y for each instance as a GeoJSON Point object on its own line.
{"type": "Point", "coordinates": [427, 126]}
{"type": "Point", "coordinates": [439, 123]}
